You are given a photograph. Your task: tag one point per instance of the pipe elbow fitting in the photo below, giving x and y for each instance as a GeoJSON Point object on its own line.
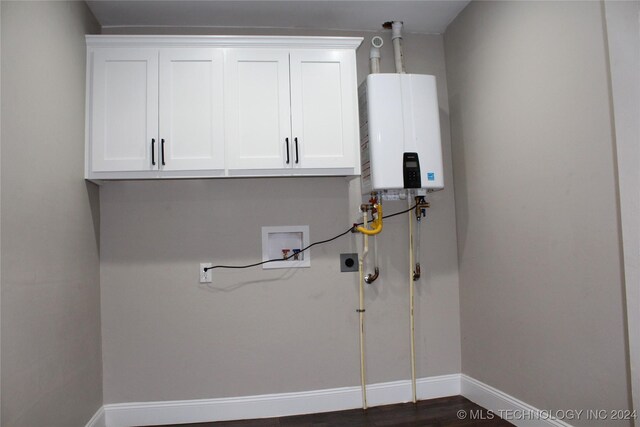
{"type": "Point", "coordinates": [370, 278]}
{"type": "Point", "coordinates": [376, 44]}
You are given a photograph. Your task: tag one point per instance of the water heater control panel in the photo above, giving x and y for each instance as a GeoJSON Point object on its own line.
{"type": "Point", "coordinates": [411, 170]}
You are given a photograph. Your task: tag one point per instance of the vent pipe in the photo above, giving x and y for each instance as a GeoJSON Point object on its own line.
{"type": "Point", "coordinates": [374, 54]}
{"type": "Point", "coordinates": [396, 36]}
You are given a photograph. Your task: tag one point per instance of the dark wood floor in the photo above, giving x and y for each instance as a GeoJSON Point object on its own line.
{"type": "Point", "coordinates": [443, 412]}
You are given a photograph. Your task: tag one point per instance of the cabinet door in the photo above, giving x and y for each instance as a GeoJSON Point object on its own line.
{"type": "Point", "coordinates": [191, 115]}
{"type": "Point", "coordinates": [257, 109]}
{"type": "Point", "coordinates": [324, 109]}
{"type": "Point", "coordinates": [124, 110]}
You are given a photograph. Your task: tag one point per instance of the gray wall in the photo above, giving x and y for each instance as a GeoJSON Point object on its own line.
{"type": "Point", "coordinates": [623, 29]}
{"type": "Point", "coordinates": [538, 233]}
{"type": "Point", "coordinates": [267, 331]}
{"type": "Point", "coordinates": [51, 362]}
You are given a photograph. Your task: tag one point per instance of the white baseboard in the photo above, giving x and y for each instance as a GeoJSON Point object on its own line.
{"type": "Point", "coordinates": [513, 410]}
{"type": "Point", "coordinates": [518, 412]}
{"type": "Point", "coordinates": [98, 419]}
{"type": "Point", "coordinates": [275, 405]}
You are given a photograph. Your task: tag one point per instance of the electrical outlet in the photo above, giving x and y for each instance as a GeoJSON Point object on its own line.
{"type": "Point", "coordinates": [205, 276]}
{"type": "Point", "coordinates": [348, 262]}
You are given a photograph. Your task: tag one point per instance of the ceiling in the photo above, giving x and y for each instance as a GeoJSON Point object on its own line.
{"type": "Point", "coordinates": [420, 16]}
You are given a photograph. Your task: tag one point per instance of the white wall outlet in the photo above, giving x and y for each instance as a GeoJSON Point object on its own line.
{"type": "Point", "coordinates": [205, 276]}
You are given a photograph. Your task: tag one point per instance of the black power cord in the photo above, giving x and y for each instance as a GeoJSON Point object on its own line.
{"type": "Point", "coordinates": [351, 229]}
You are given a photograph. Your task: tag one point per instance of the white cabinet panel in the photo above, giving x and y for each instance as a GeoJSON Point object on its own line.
{"type": "Point", "coordinates": [191, 109]}
{"type": "Point", "coordinates": [124, 119]}
{"type": "Point", "coordinates": [324, 119]}
{"type": "Point", "coordinates": [257, 108]}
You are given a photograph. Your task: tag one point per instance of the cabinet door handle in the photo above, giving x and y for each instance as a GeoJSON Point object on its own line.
{"type": "Point", "coordinates": [296, 142]}
{"type": "Point", "coordinates": [153, 151]}
{"type": "Point", "coordinates": [287, 141]}
{"type": "Point", "coordinates": [162, 142]}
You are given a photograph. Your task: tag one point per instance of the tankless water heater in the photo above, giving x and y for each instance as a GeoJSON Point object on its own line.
{"type": "Point", "coordinates": [400, 134]}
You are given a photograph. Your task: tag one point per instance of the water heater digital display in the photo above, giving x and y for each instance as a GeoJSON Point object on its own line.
{"type": "Point", "coordinates": [411, 170]}
{"type": "Point", "coordinates": [400, 134]}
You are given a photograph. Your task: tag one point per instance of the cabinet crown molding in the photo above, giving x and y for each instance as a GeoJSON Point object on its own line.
{"type": "Point", "coordinates": [289, 42]}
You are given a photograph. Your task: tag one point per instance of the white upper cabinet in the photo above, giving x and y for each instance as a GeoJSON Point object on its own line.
{"type": "Point", "coordinates": [124, 110]}
{"type": "Point", "coordinates": [215, 106]}
{"type": "Point", "coordinates": [258, 111]}
{"type": "Point", "coordinates": [324, 110]}
{"type": "Point", "coordinates": [191, 116]}
{"type": "Point", "coordinates": [291, 110]}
